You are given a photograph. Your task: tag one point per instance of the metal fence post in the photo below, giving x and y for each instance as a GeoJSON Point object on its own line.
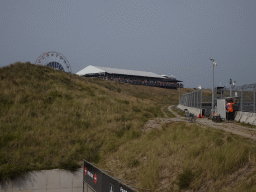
{"type": "Point", "coordinates": [197, 102]}
{"type": "Point", "coordinates": [188, 99]}
{"type": "Point", "coordinates": [197, 99]}
{"type": "Point", "coordinates": [191, 97]}
{"type": "Point", "coordinates": [201, 100]}
{"type": "Point", "coordinates": [194, 99]}
{"type": "Point", "coordinates": [254, 106]}
{"type": "Point", "coordinates": [191, 103]}
{"type": "Point", "coordinates": [241, 102]}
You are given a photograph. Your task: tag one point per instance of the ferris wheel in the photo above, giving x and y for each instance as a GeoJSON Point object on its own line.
{"type": "Point", "coordinates": [54, 60]}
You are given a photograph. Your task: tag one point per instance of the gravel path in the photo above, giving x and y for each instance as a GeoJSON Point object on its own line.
{"type": "Point", "coordinates": [226, 126]}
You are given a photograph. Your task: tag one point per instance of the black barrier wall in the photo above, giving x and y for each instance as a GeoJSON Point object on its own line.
{"type": "Point", "coordinates": [92, 176]}
{"type": "Point", "coordinates": [102, 182]}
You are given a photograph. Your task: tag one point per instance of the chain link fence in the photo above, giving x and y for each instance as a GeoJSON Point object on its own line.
{"type": "Point", "coordinates": [193, 99]}
{"type": "Point", "coordinates": [245, 95]}
{"type": "Point", "coordinates": [244, 98]}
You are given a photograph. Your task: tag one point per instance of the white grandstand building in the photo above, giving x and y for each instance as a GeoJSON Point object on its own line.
{"type": "Point", "coordinates": [130, 76]}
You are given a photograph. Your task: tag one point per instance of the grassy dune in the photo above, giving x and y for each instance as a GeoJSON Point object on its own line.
{"type": "Point", "coordinates": [183, 156]}
{"type": "Point", "coordinates": [51, 119]}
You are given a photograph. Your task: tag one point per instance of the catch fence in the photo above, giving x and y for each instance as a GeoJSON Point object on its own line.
{"type": "Point", "coordinates": [193, 99]}
{"type": "Point", "coordinates": [244, 97]}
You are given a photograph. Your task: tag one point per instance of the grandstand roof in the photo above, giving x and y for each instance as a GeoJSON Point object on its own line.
{"type": "Point", "coordinates": [101, 70]}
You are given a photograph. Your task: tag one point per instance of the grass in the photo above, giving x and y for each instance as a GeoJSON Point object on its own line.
{"type": "Point", "coordinates": [178, 111]}
{"type": "Point", "coordinates": [184, 156]}
{"type": "Point", "coordinates": [51, 119]}
{"type": "Point", "coordinates": [246, 124]}
{"type": "Point", "coordinates": [168, 113]}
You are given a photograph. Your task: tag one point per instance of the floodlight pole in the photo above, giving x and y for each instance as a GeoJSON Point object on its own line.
{"type": "Point", "coordinates": [230, 82]}
{"type": "Point", "coordinates": [254, 106]}
{"type": "Point", "coordinates": [213, 63]}
{"type": "Point", "coordinates": [212, 90]}
{"type": "Point", "coordinates": [231, 91]}
{"type": "Point", "coordinates": [179, 93]}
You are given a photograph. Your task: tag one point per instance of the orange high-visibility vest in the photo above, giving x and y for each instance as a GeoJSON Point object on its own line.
{"type": "Point", "coordinates": [230, 107]}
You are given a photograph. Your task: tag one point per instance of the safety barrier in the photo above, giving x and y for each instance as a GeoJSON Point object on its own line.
{"type": "Point", "coordinates": [246, 117]}
{"type": "Point", "coordinates": [45, 180]}
{"type": "Point", "coordinates": [194, 111]}
{"type": "Point", "coordinates": [98, 181]}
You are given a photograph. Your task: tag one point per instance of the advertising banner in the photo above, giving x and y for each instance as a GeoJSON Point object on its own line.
{"type": "Point", "coordinates": [92, 176]}
{"type": "Point", "coordinates": [102, 182]}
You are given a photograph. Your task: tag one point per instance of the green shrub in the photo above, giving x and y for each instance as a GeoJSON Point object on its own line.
{"type": "Point", "coordinates": [110, 145]}
{"type": "Point", "coordinates": [133, 162]}
{"type": "Point", "coordinates": [69, 163]}
{"type": "Point", "coordinates": [185, 178]}
{"type": "Point", "coordinates": [123, 101]}
{"type": "Point", "coordinates": [218, 142]}
{"type": "Point", "coordinates": [146, 114]}
{"type": "Point", "coordinates": [89, 90]}
{"type": "Point", "coordinates": [118, 90]}
{"type": "Point", "coordinates": [134, 134]}
{"type": "Point", "coordinates": [136, 109]}
{"type": "Point", "coordinates": [3, 157]}
{"type": "Point", "coordinates": [120, 131]}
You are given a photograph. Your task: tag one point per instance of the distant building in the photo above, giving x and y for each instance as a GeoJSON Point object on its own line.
{"type": "Point", "coordinates": [130, 76]}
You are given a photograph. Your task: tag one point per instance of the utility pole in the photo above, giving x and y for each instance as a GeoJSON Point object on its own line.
{"type": "Point", "coordinates": [179, 93]}
{"type": "Point", "coordinates": [231, 86]}
{"type": "Point", "coordinates": [230, 82]}
{"type": "Point", "coordinates": [213, 63]}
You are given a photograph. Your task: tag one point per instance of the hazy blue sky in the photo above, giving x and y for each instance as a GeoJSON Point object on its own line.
{"type": "Point", "coordinates": [171, 37]}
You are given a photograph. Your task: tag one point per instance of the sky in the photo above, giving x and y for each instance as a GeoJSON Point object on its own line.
{"type": "Point", "coordinates": [167, 37]}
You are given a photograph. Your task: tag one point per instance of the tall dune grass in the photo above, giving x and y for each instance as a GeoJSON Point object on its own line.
{"type": "Point", "coordinates": [52, 119]}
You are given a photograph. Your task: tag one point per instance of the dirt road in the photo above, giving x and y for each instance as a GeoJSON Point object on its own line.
{"type": "Point", "coordinates": [226, 126]}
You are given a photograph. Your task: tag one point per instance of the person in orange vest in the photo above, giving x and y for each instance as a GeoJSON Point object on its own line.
{"type": "Point", "coordinates": [229, 107]}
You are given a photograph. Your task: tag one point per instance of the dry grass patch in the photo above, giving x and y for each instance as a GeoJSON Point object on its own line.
{"type": "Point", "coordinates": [245, 124]}
{"type": "Point", "coordinates": [178, 111]}
{"type": "Point", "coordinates": [182, 157]}
{"type": "Point", "coordinates": [168, 113]}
